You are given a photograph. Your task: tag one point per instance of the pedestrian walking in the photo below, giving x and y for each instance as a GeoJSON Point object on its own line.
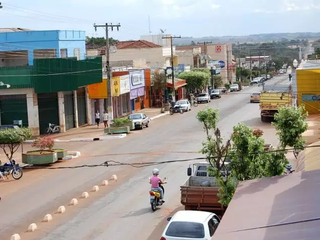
{"type": "Point", "coordinates": [105, 119]}
{"type": "Point", "coordinates": [97, 118]}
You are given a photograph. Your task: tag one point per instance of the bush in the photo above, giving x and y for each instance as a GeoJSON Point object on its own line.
{"type": "Point", "coordinates": [227, 86]}
{"type": "Point", "coordinates": [44, 143]}
{"type": "Point", "coordinates": [120, 122]}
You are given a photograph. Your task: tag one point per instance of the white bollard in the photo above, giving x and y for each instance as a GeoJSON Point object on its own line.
{"type": "Point", "coordinates": [105, 183]}
{"type": "Point", "coordinates": [95, 189]}
{"type": "Point", "coordinates": [85, 195]}
{"type": "Point", "coordinates": [114, 177]}
{"type": "Point", "coordinates": [47, 218]}
{"type": "Point", "coordinates": [73, 202]}
{"type": "Point", "coordinates": [32, 227]}
{"type": "Point", "coordinates": [15, 237]}
{"type": "Point", "coordinates": [61, 209]}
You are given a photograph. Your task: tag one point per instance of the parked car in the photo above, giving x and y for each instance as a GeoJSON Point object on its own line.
{"type": "Point", "coordinates": [189, 225]}
{"type": "Point", "coordinates": [184, 104]}
{"type": "Point", "coordinates": [234, 88]}
{"type": "Point", "coordinates": [215, 93]}
{"type": "Point", "coordinates": [3, 127]}
{"type": "Point", "coordinates": [139, 120]}
{"type": "Point", "coordinates": [255, 97]}
{"type": "Point", "coordinates": [222, 89]}
{"type": "Point", "coordinates": [257, 80]}
{"type": "Point", "coordinates": [203, 97]}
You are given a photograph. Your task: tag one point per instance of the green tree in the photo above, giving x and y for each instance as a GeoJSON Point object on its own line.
{"type": "Point", "coordinates": [204, 70]}
{"type": "Point", "coordinates": [100, 41]}
{"type": "Point", "coordinates": [11, 139]}
{"type": "Point", "coordinates": [195, 80]}
{"type": "Point", "coordinates": [290, 123]}
{"type": "Point", "coordinates": [217, 80]}
{"type": "Point", "coordinates": [160, 84]}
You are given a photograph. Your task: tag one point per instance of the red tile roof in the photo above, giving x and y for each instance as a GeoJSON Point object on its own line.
{"type": "Point", "coordinates": [136, 44]}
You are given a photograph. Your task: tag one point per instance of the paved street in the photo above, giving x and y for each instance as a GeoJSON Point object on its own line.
{"type": "Point", "coordinates": [120, 210]}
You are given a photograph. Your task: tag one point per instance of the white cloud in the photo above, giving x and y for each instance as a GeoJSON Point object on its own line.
{"type": "Point", "coordinates": [215, 6]}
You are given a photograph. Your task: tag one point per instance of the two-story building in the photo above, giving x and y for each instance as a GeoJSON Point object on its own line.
{"type": "Point", "coordinates": [48, 74]}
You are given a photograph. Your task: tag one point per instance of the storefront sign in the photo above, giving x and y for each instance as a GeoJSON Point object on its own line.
{"type": "Point", "coordinates": [133, 94]}
{"type": "Point", "coordinates": [115, 87]}
{"type": "Point", "coordinates": [137, 79]}
{"type": "Point", "coordinates": [140, 91]}
{"type": "Point", "coordinates": [310, 98]}
{"type": "Point", "coordinates": [216, 64]}
{"type": "Point", "coordinates": [124, 84]}
{"type": "Point", "coordinates": [98, 90]}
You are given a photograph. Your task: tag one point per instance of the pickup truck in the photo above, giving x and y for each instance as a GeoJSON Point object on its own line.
{"type": "Point", "coordinates": [200, 191]}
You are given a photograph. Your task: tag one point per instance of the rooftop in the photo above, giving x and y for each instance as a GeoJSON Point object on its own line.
{"type": "Point", "coordinates": [277, 208]}
{"type": "Point", "coordinates": [3, 30]}
{"type": "Point", "coordinates": [191, 216]}
{"type": "Point", "coordinates": [137, 44]}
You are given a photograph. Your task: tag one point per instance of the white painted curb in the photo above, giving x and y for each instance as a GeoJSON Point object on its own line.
{"type": "Point", "coordinates": [61, 209]}
{"type": "Point", "coordinates": [47, 218]}
{"type": "Point", "coordinates": [15, 237]}
{"type": "Point", "coordinates": [105, 183]}
{"type": "Point", "coordinates": [32, 227]}
{"type": "Point", "coordinates": [95, 189]}
{"type": "Point", "coordinates": [85, 195]}
{"type": "Point", "coordinates": [119, 136]}
{"type": "Point", "coordinates": [159, 116]}
{"type": "Point", "coordinates": [73, 202]}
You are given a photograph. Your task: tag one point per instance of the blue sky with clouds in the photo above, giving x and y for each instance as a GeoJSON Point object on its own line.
{"type": "Point", "coordinates": [180, 17]}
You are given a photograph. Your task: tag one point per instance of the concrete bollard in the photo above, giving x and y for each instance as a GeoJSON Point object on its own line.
{"type": "Point", "coordinates": [32, 227]}
{"type": "Point", "coordinates": [47, 218]}
{"type": "Point", "coordinates": [15, 237]}
{"type": "Point", "coordinates": [85, 195]}
{"type": "Point", "coordinates": [61, 209]}
{"type": "Point", "coordinates": [105, 183]}
{"type": "Point", "coordinates": [73, 202]}
{"type": "Point", "coordinates": [95, 189]}
{"type": "Point", "coordinates": [114, 177]}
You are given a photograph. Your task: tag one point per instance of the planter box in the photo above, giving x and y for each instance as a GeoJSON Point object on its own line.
{"type": "Point", "coordinates": [129, 124]}
{"type": "Point", "coordinates": [116, 130]}
{"type": "Point", "coordinates": [35, 158]}
{"type": "Point", "coordinates": [61, 153]}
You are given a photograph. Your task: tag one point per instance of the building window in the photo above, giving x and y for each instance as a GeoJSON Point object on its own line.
{"type": "Point", "coordinates": [63, 53]}
{"type": "Point", "coordinates": [76, 53]}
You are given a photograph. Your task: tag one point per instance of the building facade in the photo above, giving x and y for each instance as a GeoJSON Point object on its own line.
{"type": "Point", "coordinates": [48, 78]}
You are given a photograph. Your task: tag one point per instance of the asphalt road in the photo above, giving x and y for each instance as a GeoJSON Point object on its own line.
{"type": "Point", "coordinates": [120, 210]}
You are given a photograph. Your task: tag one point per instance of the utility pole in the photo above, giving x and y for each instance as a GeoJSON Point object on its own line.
{"type": "Point", "coordinates": [173, 89]}
{"type": "Point", "coordinates": [108, 101]}
{"type": "Point", "coordinates": [205, 51]}
{"type": "Point", "coordinates": [228, 77]}
{"type": "Point", "coordinates": [1, 5]}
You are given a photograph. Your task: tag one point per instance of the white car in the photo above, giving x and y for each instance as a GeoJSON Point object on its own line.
{"type": "Point", "coordinates": [203, 97]}
{"type": "Point", "coordinates": [234, 88]}
{"type": "Point", "coordinates": [190, 225]}
{"type": "Point", "coordinates": [256, 80]}
{"type": "Point", "coordinates": [139, 120]}
{"type": "Point", "coordinates": [185, 105]}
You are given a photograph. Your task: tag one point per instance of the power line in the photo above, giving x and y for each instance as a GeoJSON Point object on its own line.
{"type": "Point", "coordinates": [112, 163]}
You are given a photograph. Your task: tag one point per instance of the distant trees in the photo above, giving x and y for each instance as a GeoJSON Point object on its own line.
{"type": "Point", "coordinates": [99, 41]}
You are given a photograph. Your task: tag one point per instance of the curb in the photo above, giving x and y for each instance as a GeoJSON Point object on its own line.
{"type": "Point", "coordinates": [159, 116]}
{"type": "Point", "coordinates": [85, 139]}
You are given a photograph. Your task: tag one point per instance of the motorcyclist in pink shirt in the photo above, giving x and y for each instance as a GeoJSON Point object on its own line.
{"type": "Point", "coordinates": [154, 181]}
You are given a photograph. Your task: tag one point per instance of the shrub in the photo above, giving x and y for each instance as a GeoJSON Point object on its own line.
{"type": "Point", "coordinates": [44, 143]}
{"type": "Point", "coordinates": [120, 122]}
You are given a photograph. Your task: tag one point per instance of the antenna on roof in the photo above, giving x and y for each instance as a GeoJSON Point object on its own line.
{"type": "Point", "coordinates": [163, 31]}
{"type": "Point", "coordinates": [149, 24]}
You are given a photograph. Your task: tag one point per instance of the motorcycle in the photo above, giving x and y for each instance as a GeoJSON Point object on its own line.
{"type": "Point", "coordinates": [289, 169]}
{"type": "Point", "coordinates": [176, 109]}
{"type": "Point", "coordinates": [12, 168]}
{"type": "Point", "coordinates": [155, 200]}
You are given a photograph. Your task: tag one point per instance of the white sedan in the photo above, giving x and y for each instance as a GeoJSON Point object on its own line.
{"type": "Point", "coordinates": [189, 225]}
{"type": "Point", "coordinates": [139, 120]}
{"type": "Point", "coordinates": [185, 105]}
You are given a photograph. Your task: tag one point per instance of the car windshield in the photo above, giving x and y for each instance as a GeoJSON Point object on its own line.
{"type": "Point", "coordinates": [255, 94]}
{"type": "Point", "coordinates": [135, 116]}
{"type": "Point", "coordinates": [202, 95]}
{"type": "Point", "coordinates": [234, 85]}
{"type": "Point", "coordinates": [185, 230]}
{"type": "Point", "coordinates": [215, 91]}
{"type": "Point", "coordinates": [181, 102]}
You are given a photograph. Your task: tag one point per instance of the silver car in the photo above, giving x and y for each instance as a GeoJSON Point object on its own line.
{"type": "Point", "coordinates": [203, 97]}
{"type": "Point", "coordinates": [139, 120]}
{"type": "Point", "coordinates": [184, 104]}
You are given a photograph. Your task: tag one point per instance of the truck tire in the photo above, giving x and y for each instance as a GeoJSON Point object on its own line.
{"type": "Point", "coordinates": [263, 119]}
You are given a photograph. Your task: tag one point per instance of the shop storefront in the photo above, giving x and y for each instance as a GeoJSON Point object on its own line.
{"type": "Point", "coordinates": [98, 93]}
{"type": "Point", "coordinates": [120, 95]}
{"type": "Point", "coordinates": [137, 89]}
{"type": "Point", "coordinates": [179, 86]}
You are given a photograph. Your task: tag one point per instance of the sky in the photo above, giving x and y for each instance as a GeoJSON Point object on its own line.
{"type": "Point", "coordinates": [197, 18]}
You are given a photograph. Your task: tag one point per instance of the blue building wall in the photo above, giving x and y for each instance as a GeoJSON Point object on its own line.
{"type": "Point", "coordinates": [38, 40]}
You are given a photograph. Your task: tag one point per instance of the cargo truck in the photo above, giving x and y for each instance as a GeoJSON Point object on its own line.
{"type": "Point", "coordinates": [270, 102]}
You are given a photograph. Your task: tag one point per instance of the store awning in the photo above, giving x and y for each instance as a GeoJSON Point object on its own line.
{"type": "Point", "coordinates": [178, 83]}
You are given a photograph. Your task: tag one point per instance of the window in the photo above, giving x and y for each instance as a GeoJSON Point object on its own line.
{"type": "Point", "coordinates": [185, 230]}
{"type": "Point", "coordinates": [211, 227]}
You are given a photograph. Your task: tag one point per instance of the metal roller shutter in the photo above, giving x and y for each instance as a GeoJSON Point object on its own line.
{"type": "Point", "coordinates": [14, 107]}
{"type": "Point", "coordinates": [48, 110]}
{"type": "Point", "coordinates": [82, 113]}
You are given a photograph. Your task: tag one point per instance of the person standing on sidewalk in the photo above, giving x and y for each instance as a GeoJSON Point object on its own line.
{"type": "Point", "coordinates": [105, 119]}
{"type": "Point", "coordinates": [97, 118]}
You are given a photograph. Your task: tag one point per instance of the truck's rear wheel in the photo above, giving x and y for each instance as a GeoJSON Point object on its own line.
{"type": "Point", "coordinates": [263, 119]}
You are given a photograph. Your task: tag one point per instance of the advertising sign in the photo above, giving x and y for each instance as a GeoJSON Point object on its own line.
{"type": "Point", "coordinates": [124, 84]}
{"type": "Point", "coordinates": [133, 93]}
{"type": "Point", "coordinates": [115, 87]}
{"type": "Point", "coordinates": [216, 64]}
{"type": "Point", "coordinates": [137, 79]}
{"type": "Point", "coordinates": [310, 98]}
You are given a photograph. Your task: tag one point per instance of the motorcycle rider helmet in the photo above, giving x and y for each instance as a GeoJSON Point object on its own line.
{"type": "Point", "coordinates": [155, 171]}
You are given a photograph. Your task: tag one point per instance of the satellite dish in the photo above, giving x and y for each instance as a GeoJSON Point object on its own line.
{"type": "Point", "coordinates": [112, 49]}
